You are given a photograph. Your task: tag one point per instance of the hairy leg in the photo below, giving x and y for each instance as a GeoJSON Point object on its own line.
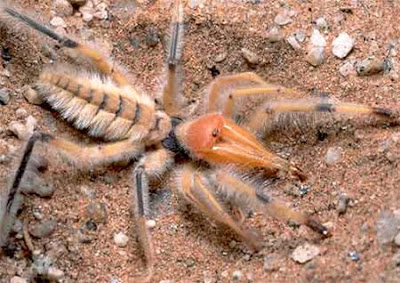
{"type": "Point", "coordinates": [244, 194]}
{"type": "Point", "coordinates": [99, 61]}
{"type": "Point", "coordinates": [196, 190]}
{"type": "Point", "coordinates": [83, 157]}
{"type": "Point", "coordinates": [153, 165]}
{"type": "Point", "coordinates": [172, 96]}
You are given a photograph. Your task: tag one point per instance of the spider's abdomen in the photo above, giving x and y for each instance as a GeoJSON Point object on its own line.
{"type": "Point", "coordinates": [103, 109]}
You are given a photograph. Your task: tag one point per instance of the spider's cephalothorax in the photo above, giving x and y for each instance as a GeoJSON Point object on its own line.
{"type": "Point", "coordinates": [215, 151]}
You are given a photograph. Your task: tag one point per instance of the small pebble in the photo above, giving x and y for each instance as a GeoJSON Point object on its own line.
{"type": "Point", "coordinates": [342, 45]}
{"type": "Point", "coordinates": [370, 66]}
{"type": "Point", "coordinates": [322, 24]}
{"type": "Point", "coordinates": [5, 94]}
{"type": "Point", "coordinates": [282, 19]}
{"type": "Point", "coordinates": [274, 34]}
{"type": "Point", "coordinates": [347, 69]}
{"type": "Point", "coordinates": [150, 224]}
{"type": "Point", "coordinates": [17, 279]}
{"type": "Point", "coordinates": [237, 275]}
{"type": "Point", "coordinates": [305, 253]}
{"type": "Point", "coordinates": [58, 22]}
{"type": "Point", "coordinates": [87, 17]}
{"type": "Point", "coordinates": [317, 39]}
{"type": "Point", "coordinates": [333, 155]}
{"type": "Point", "coordinates": [121, 240]}
{"type": "Point", "coordinates": [315, 56]}
{"type": "Point", "coordinates": [387, 227]}
{"type": "Point", "coordinates": [250, 56]}
{"type": "Point", "coordinates": [63, 7]}
{"type": "Point", "coordinates": [97, 212]}
{"type": "Point", "coordinates": [55, 274]}
{"type": "Point", "coordinates": [21, 113]}
{"type": "Point", "coordinates": [343, 204]}
{"type": "Point", "coordinates": [19, 130]}
{"type": "Point", "coordinates": [300, 36]}
{"type": "Point", "coordinates": [354, 256]}
{"type": "Point", "coordinates": [31, 95]}
{"type": "Point", "coordinates": [272, 263]}
{"type": "Point", "coordinates": [220, 57]}
{"type": "Point", "coordinates": [44, 229]}
{"type": "Point", "coordinates": [293, 42]}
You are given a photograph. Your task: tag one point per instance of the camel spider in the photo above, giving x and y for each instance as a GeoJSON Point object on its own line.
{"type": "Point", "coordinates": [215, 153]}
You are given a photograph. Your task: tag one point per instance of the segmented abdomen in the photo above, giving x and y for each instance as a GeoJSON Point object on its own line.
{"type": "Point", "coordinates": [103, 109]}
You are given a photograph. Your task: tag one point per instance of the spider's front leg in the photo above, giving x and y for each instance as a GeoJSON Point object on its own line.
{"type": "Point", "coordinates": [196, 189]}
{"type": "Point", "coordinates": [151, 166]}
{"type": "Point", "coordinates": [81, 157]}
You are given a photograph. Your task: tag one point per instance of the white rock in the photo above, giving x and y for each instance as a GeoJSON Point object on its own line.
{"type": "Point", "coordinates": [322, 24]}
{"type": "Point", "coordinates": [315, 55]}
{"type": "Point", "coordinates": [55, 274]}
{"type": "Point", "coordinates": [31, 123]}
{"type": "Point", "coordinates": [347, 69]}
{"type": "Point", "coordinates": [317, 39]}
{"type": "Point", "coordinates": [19, 130]}
{"type": "Point", "coordinates": [333, 155]}
{"type": "Point", "coordinates": [58, 22]}
{"type": "Point", "coordinates": [120, 239]}
{"type": "Point", "coordinates": [282, 19]}
{"type": "Point", "coordinates": [293, 42]}
{"type": "Point", "coordinates": [32, 95]}
{"type": "Point", "coordinates": [300, 36]}
{"type": "Point", "coordinates": [305, 253]}
{"type": "Point", "coordinates": [150, 224]}
{"type": "Point", "coordinates": [342, 45]}
{"type": "Point", "coordinates": [87, 17]}
{"type": "Point", "coordinates": [63, 7]}
{"type": "Point", "coordinates": [17, 279]}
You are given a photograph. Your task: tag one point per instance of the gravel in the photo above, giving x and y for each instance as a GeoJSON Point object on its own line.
{"type": "Point", "coordinates": [43, 229]}
{"type": "Point", "coordinates": [120, 239]}
{"type": "Point", "coordinates": [97, 212]}
{"type": "Point", "coordinates": [387, 227]}
{"type": "Point", "coordinates": [283, 18]}
{"type": "Point", "coordinates": [342, 204]}
{"type": "Point", "coordinates": [333, 155]}
{"type": "Point", "coordinates": [342, 45]}
{"type": "Point", "coordinates": [370, 66]}
{"type": "Point", "coordinates": [237, 275]}
{"type": "Point", "coordinates": [251, 57]}
{"type": "Point", "coordinates": [5, 94]}
{"type": "Point", "coordinates": [305, 253]}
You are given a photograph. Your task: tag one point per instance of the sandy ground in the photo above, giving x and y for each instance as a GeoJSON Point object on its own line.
{"type": "Point", "coordinates": [188, 247]}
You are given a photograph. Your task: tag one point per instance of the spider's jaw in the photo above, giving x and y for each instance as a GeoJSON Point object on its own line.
{"type": "Point", "coordinates": [216, 140]}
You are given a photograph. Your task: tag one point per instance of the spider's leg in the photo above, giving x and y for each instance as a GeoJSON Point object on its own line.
{"type": "Point", "coordinates": [83, 157]}
{"type": "Point", "coordinates": [219, 87]}
{"type": "Point", "coordinates": [196, 190]}
{"type": "Point", "coordinates": [263, 90]}
{"type": "Point", "coordinates": [312, 105]}
{"type": "Point", "coordinates": [150, 166]}
{"type": "Point", "coordinates": [172, 99]}
{"type": "Point", "coordinates": [245, 194]}
{"type": "Point", "coordinates": [99, 61]}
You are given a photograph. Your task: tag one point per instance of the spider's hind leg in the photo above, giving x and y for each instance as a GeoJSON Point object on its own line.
{"type": "Point", "coordinates": [99, 61]}
{"type": "Point", "coordinates": [172, 93]}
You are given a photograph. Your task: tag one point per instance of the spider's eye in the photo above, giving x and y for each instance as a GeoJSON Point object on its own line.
{"type": "Point", "coordinates": [215, 132]}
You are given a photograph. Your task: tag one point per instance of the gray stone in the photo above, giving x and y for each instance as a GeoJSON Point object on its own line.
{"type": "Point", "coordinates": [342, 204]}
{"type": "Point", "coordinates": [293, 42]}
{"type": "Point", "coordinates": [370, 66]}
{"type": "Point", "coordinates": [63, 7]}
{"type": "Point", "coordinates": [97, 212]}
{"type": "Point", "coordinates": [315, 56]}
{"type": "Point", "coordinates": [282, 19]}
{"type": "Point", "coordinates": [333, 155]}
{"type": "Point", "coordinates": [250, 56]}
{"type": "Point", "coordinates": [300, 36]}
{"type": "Point", "coordinates": [55, 274]}
{"type": "Point", "coordinates": [305, 253]}
{"type": "Point", "coordinates": [322, 24]}
{"type": "Point", "coordinates": [274, 34]}
{"type": "Point", "coordinates": [5, 94]}
{"type": "Point", "coordinates": [44, 229]}
{"type": "Point", "coordinates": [237, 275]}
{"type": "Point", "coordinates": [387, 227]}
